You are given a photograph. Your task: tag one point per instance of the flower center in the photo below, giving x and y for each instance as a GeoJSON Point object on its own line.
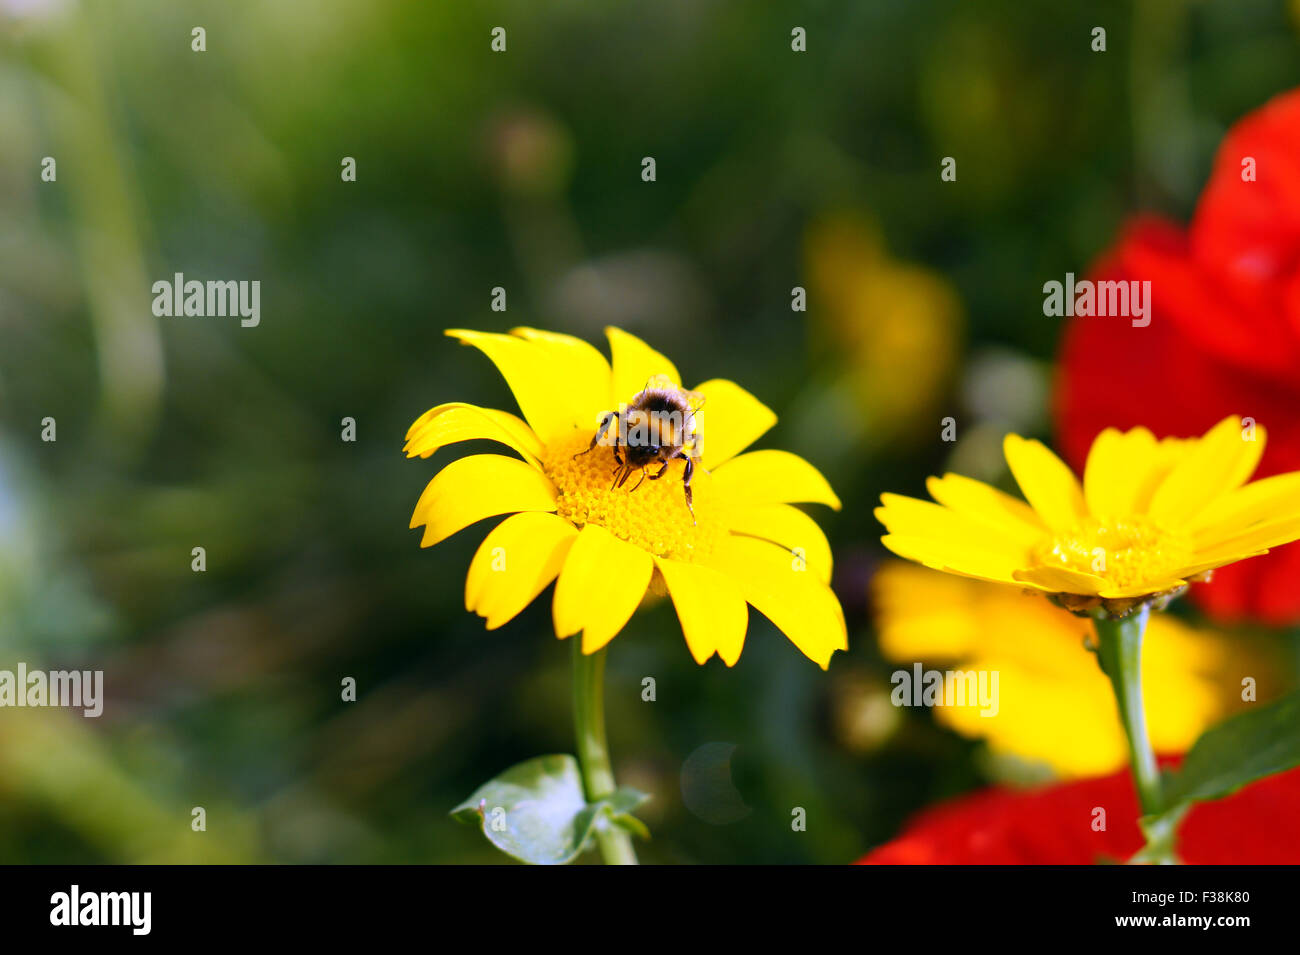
{"type": "Point", "coordinates": [651, 514]}
{"type": "Point", "coordinates": [1125, 552]}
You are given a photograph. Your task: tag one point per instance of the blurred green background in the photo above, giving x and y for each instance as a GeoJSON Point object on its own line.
{"type": "Point", "coordinates": [522, 170]}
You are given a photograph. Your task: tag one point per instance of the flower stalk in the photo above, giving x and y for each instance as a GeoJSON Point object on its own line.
{"type": "Point", "coordinates": [1119, 651]}
{"type": "Point", "coordinates": [593, 751]}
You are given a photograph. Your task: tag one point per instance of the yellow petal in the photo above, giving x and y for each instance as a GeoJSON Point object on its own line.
{"type": "Point", "coordinates": [1124, 470]}
{"type": "Point", "coordinates": [710, 606]}
{"type": "Point", "coordinates": [580, 374]}
{"type": "Point", "coordinates": [456, 421]}
{"type": "Point", "coordinates": [787, 527]}
{"type": "Point", "coordinates": [729, 421]}
{"type": "Point", "coordinates": [482, 485]}
{"type": "Point", "coordinates": [955, 557]}
{"type": "Point", "coordinates": [916, 518]}
{"type": "Point", "coordinates": [635, 363]}
{"type": "Point", "coordinates": [537, 384]}
{"type": "Point", "coordinates": [801, 607]}
{"type": "Point", "coordinates": [1110, 474]}
{"type": "Point", "coordinates": [987, 505]}
{"type": "Point", "coordinates": [1249, 543]}
{"type": "Point", "coordinates": [1214, 561]}
{"type": "Point", "coordinates": [1143, 588]}
{"type": "Point", "coordinates": [1062, 580]}
{"type": "Point", "coordinates": [600, 587]}
{"type": "Point", "coordinates": [773, 477]}
{"type": "Point", "coordinates": [1165, 454]}
{"type": "Point", "coordinates": [515, 563]}
{"type": "Point", "coordinates": [1047, 483]}
{"type": "Point", "coordinates": [1218, 463]}
{"type": "Point", "coordinates": [1269, 499]}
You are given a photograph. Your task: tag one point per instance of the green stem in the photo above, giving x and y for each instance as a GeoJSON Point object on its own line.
{"type": "Point", "coordinates": [1161, 833]}
{"type": "Point", "coordinates": [593, 751]}
{"type": "Point", "coordinates": [1119, 651]}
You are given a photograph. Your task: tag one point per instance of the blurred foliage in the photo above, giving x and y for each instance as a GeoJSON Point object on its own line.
{"type": "Point", "coordinates": [520, 170]}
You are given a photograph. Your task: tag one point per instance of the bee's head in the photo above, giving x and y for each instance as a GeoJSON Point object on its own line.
{"type": "Point", "coordinates": [638, 456]}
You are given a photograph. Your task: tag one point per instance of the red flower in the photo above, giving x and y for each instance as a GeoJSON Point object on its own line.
{"type": "Point", "coordinates": [1054, 826]}
{"type": "Point", "coordinates": [1223, 338]}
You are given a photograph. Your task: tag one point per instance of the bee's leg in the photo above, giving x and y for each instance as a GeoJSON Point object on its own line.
{"type": "Point", "coordinates": [605, 422]}
{"type": "Point", "coordinates": [627, 473]}
{"type": "Point", "coordinates": [638, 483]}
{"type": "Point", "coordinates": [662, 471]}
{"type": "Point", "coordinates": [697, 448]}
{"type": "Point", "coordinates": [686, 484]}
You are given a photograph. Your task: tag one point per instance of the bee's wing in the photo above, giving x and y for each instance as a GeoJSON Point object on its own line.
{"type": "Point", "coordinates": [694, 440]}
{"type": "Point", "coordinates": [694, 399]}
{"type": "Point", "coordinates": [659, 383]}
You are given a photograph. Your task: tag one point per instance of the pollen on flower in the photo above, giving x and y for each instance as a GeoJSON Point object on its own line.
{"type": "Point", "coordinates": [1126, 553]}
{"type": "Point", "coordinates": [650, 514]}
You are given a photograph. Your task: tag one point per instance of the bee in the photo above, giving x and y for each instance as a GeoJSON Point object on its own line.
{"type": "Point", "coordinates": [657, 427]}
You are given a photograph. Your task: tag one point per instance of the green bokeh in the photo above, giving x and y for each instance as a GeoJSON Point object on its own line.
{"type": "Point", "coordinates": [476, 170]}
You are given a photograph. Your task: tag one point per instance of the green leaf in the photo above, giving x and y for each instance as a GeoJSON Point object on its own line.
{"type": "Point", "coordinates": [1240, 750]}
{"type": "Point", "coordinates": [537, 812]}
{"type": "Point", "coordinates": [619, 808]}
{"type": "Point", "coordinates": [616, 809]}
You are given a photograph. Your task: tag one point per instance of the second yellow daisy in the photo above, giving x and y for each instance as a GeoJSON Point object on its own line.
{"type": "Point", "coordinates": [1150, 517]}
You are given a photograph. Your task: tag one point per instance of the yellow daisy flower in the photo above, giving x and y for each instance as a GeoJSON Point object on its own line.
{"type": "Point", "coordinates": [1149, 517]}
{"type": "Point", "coordinates": [1055, 705]}
{"type": "Point", "coordinates": [607, 541]}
